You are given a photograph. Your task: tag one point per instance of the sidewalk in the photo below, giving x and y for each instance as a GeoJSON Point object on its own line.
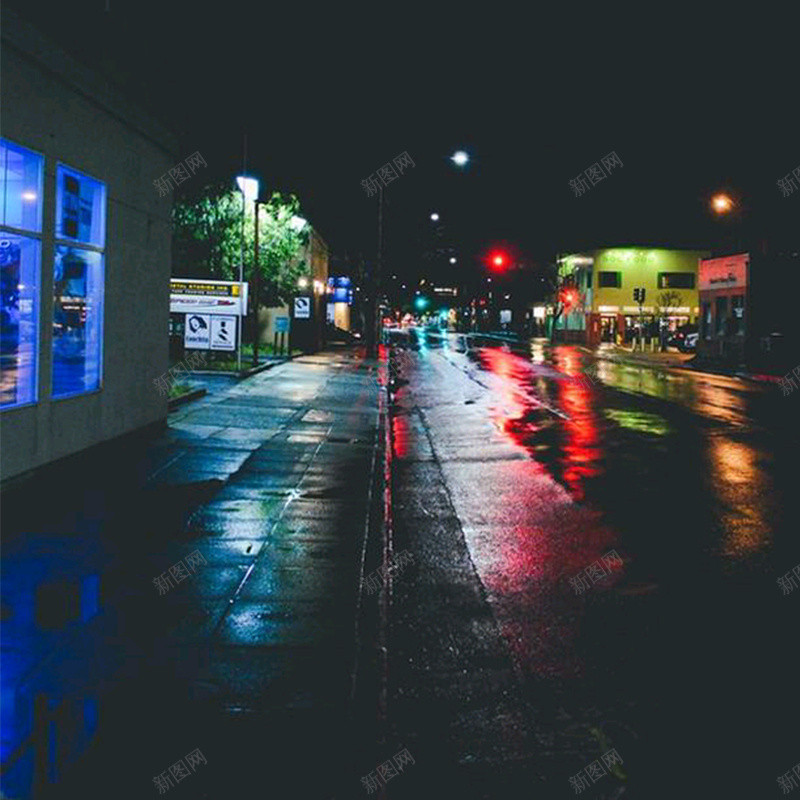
{"type": "Point", "coordinates": [200, 590]}
{"type": "Point", "coordinates": [677, 360]}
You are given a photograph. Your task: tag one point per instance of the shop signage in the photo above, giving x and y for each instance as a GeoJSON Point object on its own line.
{"type": "Point", "coordinates": [302, 308]}
{"type": "Point", "coordinates": [197, 332]}
{"type": "Point", "coordinates": [188, 295]}
{"type": "Point", "coordinates": [730, 272]}
{"type": "Point", "coordinates": [223, 332]}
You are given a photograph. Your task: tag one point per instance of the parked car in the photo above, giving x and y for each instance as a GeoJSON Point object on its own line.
{"type": "Point", "coordinates": [678, 337]}
{"type": "Point", "coordinates": [689, 343]}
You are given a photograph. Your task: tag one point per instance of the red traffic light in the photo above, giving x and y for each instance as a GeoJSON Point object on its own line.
{"type": "Point", "coordinates": [569, 297]}
{"type": "Point", "coordinates": [498, 260]}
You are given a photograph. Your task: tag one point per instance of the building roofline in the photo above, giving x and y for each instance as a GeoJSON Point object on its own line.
{"type": "Point", "coordinates": [31, 44]}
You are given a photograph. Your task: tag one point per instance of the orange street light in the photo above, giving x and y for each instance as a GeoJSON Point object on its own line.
{"type": "Point", "coordinates": [721, 203]}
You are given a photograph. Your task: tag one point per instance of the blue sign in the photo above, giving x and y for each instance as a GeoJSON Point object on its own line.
{"type": "Point", "coordinates": [281, 324]}
{"type": "Point", "coordinates": [340, 290]}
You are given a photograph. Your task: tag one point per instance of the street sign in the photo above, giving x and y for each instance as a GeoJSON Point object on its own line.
{"type": "Point", "coordinates": [197, 332]}
{"type": "Point", "coordinates": [223, 332]}
{"type": "Point", "coordinates": [188, 295]}
{"type": "Point", "coordinates": [281, 324]}
{"type": "Point", "coordinates": [302, 308]}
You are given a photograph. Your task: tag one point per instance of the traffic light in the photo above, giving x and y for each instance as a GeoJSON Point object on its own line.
{"type": "Point", "coordinates": [569, 297]}
{"type": "Point", "coordinates": [498, 260]}
{"type": "Point", "coordinates": [638, 295]}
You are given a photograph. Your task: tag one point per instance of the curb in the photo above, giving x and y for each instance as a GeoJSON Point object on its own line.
{"type": "Point", "coordinates": [176, 402]}
{"type": "Point", "coordinates": [245, 373]}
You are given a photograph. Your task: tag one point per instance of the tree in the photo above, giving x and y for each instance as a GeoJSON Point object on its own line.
{"type": "Point", "coordinates": [209, 231]}
{"type": "Point", "coordinates": [207, 234]}
{"type": "Point", "coordinates": [207, 238]}
{"type": "Point", "coordinates": [280, 244]}
{"type": "Point", "coordinates": [665, 302]}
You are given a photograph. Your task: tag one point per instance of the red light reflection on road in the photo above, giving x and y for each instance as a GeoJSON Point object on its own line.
{"type": "Point", "coordinates": [537, 537]}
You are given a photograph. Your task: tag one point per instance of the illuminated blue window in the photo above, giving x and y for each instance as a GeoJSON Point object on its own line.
{"type": "Point", "coordinates": [77, 321]}
{"type": "Point", "coordinates": [21, 172]}
{"type": "Point", "coordinates": [80, 207]}
{"type": "Point", "coordinates": [19, 319]}
{"type": "Point", "coordinates": [78, 283]}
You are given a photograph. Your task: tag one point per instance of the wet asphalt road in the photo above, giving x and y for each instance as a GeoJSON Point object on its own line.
{"type": "Point", "coordinates": [510, 477]}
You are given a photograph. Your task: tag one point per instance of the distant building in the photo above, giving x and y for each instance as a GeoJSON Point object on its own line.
{"type": "Point", "coordinates": [307, 329]}
{"type": "Point", "coordinates": [85, 241]}
{"type": "Point", "coordinates": [747, 308]}
{"type": "Point", "coordinates": [604, 281]}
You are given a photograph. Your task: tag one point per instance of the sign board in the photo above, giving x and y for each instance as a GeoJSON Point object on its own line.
{"type": "Point", "coordinates": [729, 272]}
{"type": "Point", "coordinates": [302, 308]}
{"type": "Point", "coordinates": [223, 332]}
{"type": "Point", "coordinates": [505, 315]}
{"type": "Point", "coordinates": [340, 290]}
{"type": "Point", "coordinates": [188, 295]}
{"type": "Point", "coordinates": [196, 335]}
{"type": "Point", "coordinates": [281, 324]}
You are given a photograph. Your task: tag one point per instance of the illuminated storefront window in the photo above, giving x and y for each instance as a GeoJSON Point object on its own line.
{"type": "Point", "coordinates": [78, 284]}
{"type": "Point", "coordinates": [21, 173]}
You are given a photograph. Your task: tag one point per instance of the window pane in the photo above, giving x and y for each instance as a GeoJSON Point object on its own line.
{"type": "Point", "coordinates": [19, 319]}
{"type": "Point", "coordinates": [676, 280]}
{"type": "Point", "coordinates": [80, 207]}
{"type": "Point", "coordinates": [721, 314]}
{"type": "Point", "coordinates": [77, 321]}
{"type": "Point", "coordinates": [609, 280]}
{"type": "Point", "coordinates": [20, 187]}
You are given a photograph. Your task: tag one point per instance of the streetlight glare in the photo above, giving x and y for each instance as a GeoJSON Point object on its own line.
{"type": "Point", "coordinates": [302, 283]}
{"type": "Point", "coordinates": [435, 217]}
{"type": "Point", "coordinates": [248, 187]}
{"type": "Point", "coordinates": [459, 158]}
{"type": "Point", "coordinates": [721, 203]}
{"type": "Point", "coordinates": [453, 260]}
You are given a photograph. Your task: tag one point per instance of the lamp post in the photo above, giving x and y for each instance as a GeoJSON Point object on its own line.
{"type": "Point", "coordinates": [249, 189]}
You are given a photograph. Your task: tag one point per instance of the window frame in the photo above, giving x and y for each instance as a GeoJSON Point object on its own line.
{"type": "Point", "coordinates": [602, 272]}
{"type": "Point", "coordinates": [37, 236]}
{"type": "Point", "coordinates": [77, 244]}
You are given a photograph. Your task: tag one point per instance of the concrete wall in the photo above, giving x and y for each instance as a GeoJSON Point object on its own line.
{"type": "Point", "coordinates": [52, 105]}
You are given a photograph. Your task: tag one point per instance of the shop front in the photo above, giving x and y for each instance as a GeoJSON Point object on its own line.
{"type": "Point", "coordinates": [723, 285]}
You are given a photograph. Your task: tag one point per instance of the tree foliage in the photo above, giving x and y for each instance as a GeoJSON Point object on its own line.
{"type": "Point", "coordinates": [666, 301]}
{"type": "Point", "coordinates": [208, 234]}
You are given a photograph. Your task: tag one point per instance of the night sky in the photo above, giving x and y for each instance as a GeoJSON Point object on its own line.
{"type": "Point", "coordinates": [327, 94]}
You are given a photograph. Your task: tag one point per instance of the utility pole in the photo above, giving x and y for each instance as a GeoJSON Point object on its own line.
{"type": "Point", "coordinates": [256, 285]}
{"type": "Point", "coordinates": [373, 317]}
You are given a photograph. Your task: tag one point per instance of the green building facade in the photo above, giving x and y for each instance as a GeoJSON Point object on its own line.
{"type": "Point", "coordinates": [604, 281]}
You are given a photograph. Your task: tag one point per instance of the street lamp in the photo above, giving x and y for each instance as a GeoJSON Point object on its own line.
{"type": "Point", "coordinates": [453, 260]}
{"type": "Point", "coordinates": [434, 217]}
{"type": "Point", "coordinates": [459, 158]}
{"type": "Point", "coordinates": [722, 203]}
{"type": "Point", "coordinates": [249, 189]}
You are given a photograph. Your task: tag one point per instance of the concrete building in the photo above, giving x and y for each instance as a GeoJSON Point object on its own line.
{"type": "Point", "coordinates": [604, 281]}
{"type": "Point", "coordinates": [85, 254]}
